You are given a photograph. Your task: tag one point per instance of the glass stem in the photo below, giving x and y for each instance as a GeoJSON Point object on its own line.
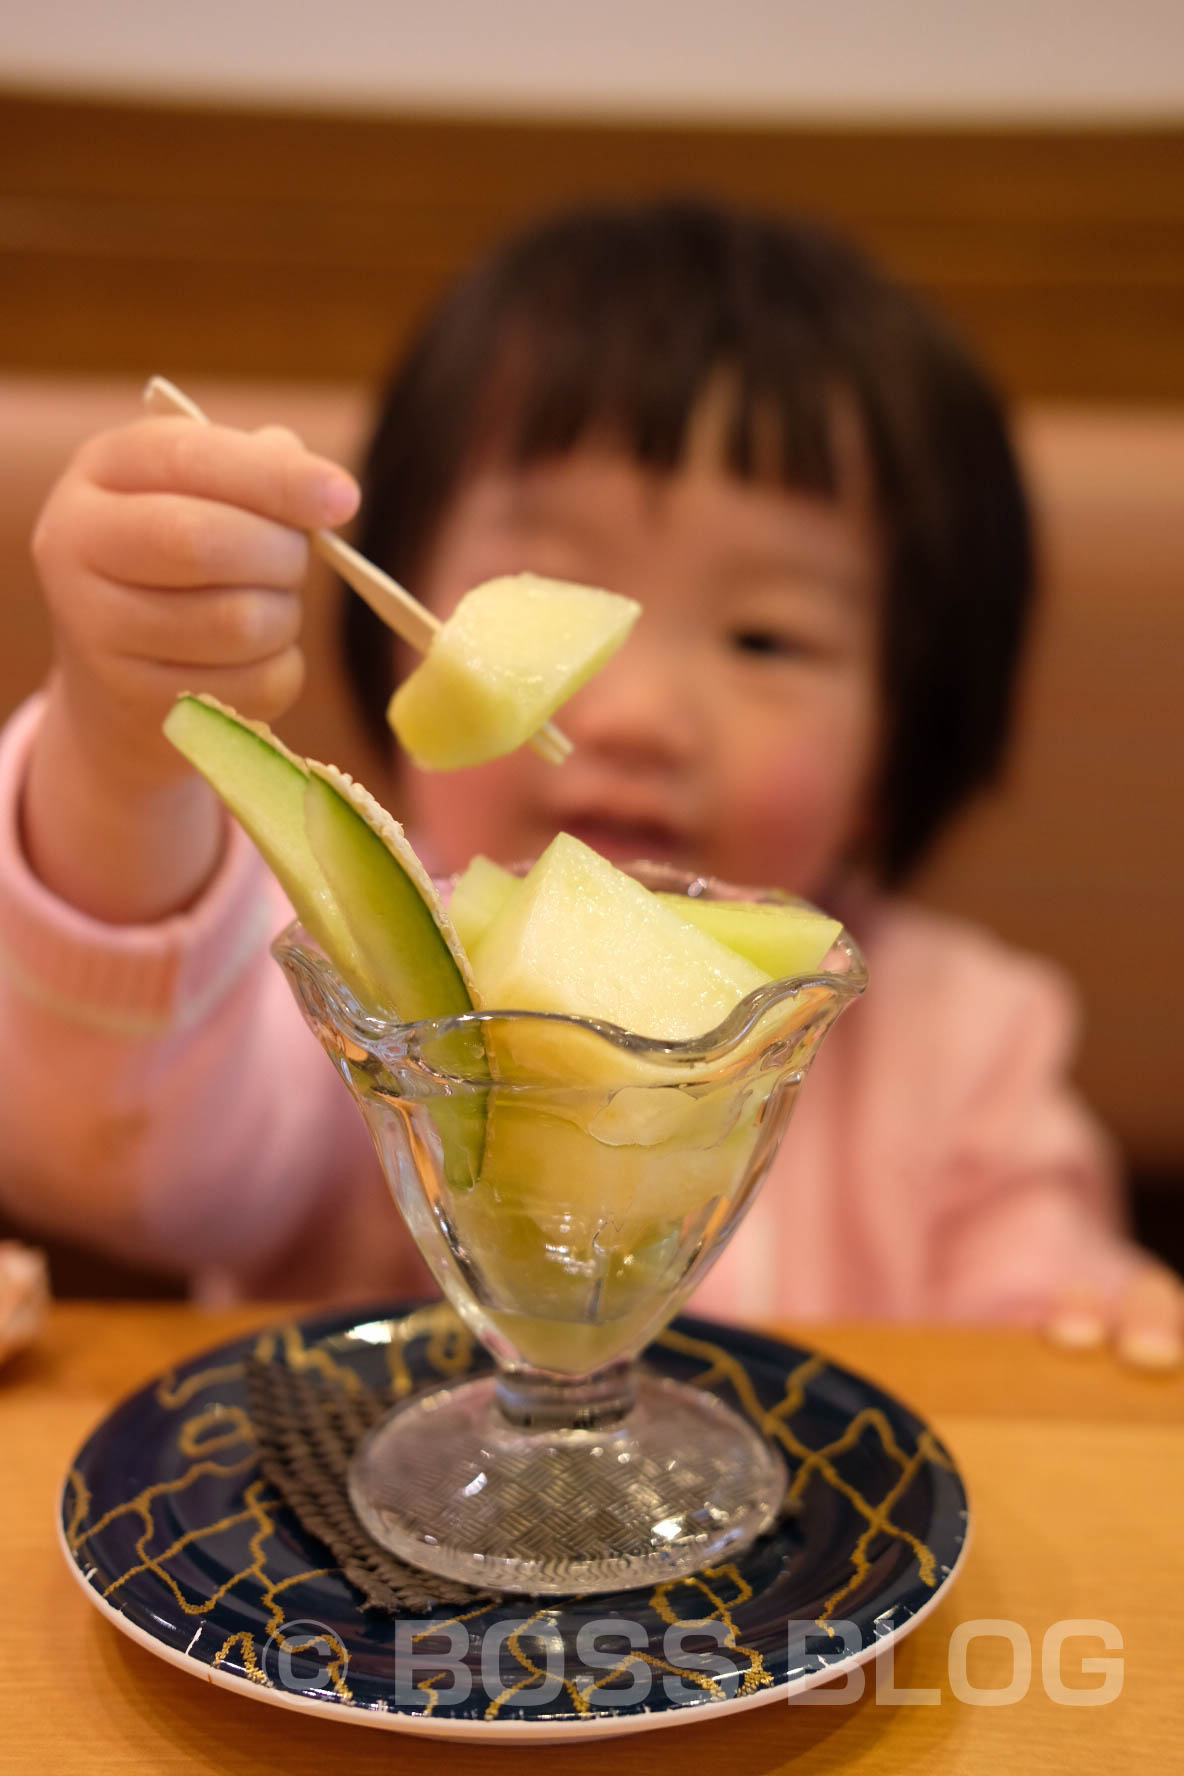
{"type": "Point", "coordinates": [539, 1400]}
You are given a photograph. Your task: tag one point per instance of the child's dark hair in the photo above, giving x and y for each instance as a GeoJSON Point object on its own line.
{"type": "Point", "coordinates": [612, 320]}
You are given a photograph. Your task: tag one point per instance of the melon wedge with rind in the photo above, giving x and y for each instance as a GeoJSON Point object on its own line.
{"type": "Point", "coordinates": [782, 938]}
{"type": "Point", "coordinates": [408, 945]}
{"type": "Point", "coordinates": [392, 906]}
{"type": "Point", "coordinates": [262, 782]}
{"type": "Point", "coordinates": [514, 649]}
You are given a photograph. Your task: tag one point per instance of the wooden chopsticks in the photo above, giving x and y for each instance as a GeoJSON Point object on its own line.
{"type": "Point", "coordinates": [387, 599]}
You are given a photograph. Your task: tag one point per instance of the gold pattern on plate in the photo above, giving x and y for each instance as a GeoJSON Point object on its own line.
{"type": "Point", "coordinates": [217, 1427]}
{"type": "Point", "coordinates": [434, 1627]}
{"type": "Point", "coordinates": [723, 1365]}
{"type": "Point", "coordinates": [448, 1347]}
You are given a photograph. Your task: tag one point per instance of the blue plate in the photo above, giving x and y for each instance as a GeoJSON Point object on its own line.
{"type": "Point", "coordinates": [176, 1537]}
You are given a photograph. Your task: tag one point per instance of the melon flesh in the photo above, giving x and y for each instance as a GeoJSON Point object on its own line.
{"type": "Point", "coordinates": [514, 649]}
{"type": "Point", "coordinates": [781, 939]}
{"type": "Point", "coordinates": [582, 938]}
{"type": "Point", "coordinates": [481, 892]}
{"type": "Point", "coordinates": [784, 939]}
{"type": "Point", "coordinates": [598, 1187]}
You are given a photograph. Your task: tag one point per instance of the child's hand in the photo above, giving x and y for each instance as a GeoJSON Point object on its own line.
{"type": "Point", "coordinates": [171, 556]}
{"type": "Point", "coordinates": [1145, 1324]}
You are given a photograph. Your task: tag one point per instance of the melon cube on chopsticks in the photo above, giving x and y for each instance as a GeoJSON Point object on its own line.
{"type": "Point", "coordinates": [513, 650]}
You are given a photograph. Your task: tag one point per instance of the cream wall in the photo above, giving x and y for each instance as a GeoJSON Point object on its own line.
{"type": "Point", "coordinates": [993, 59]}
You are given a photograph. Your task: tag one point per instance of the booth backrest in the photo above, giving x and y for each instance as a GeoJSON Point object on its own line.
{"type": "Point", "coordinates": [1079, 855]}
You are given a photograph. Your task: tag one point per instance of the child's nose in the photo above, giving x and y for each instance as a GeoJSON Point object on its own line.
{"type": "Point", "coordinates": [638, 707]}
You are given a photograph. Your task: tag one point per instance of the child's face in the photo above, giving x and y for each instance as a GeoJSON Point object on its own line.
{"type": "Point", "coordinates": [735, 731]}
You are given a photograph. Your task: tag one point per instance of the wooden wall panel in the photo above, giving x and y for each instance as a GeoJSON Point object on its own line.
{"type": "Point", "coordinates": [227, 242]}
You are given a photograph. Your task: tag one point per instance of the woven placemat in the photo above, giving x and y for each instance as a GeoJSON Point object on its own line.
{"type": "Point", "coordinates": [308, 1428]}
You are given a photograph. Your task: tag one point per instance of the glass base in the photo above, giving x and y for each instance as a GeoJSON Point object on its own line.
{"type": "Point", "coordinates": [552, 1488]}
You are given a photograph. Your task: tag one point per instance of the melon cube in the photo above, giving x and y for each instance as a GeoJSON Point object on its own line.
{"type": "Point", "coordinates": [783, 939]}
{"type": "Point", "coordinates": [581, 937]}
{"type": "Point", "coordinates": [481, 892]}
{"type": "Point", "coordinates": [513, 650]}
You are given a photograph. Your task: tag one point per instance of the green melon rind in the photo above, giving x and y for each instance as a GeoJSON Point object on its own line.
{"type": "Point", "coordinates": [407, 943]}
{"type": "Point", "coordinates": [262, 782]}
{"type": "Point", "coordinates": [391, 904]}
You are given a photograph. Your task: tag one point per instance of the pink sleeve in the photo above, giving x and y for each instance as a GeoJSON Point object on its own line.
{"type": "Point", "coordinates": [162, 1098]}
{"type": "Point", "coordinates": [1031, 1204]}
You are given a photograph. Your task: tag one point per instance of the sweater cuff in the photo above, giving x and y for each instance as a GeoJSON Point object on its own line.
{"type": "Point", "coordinates": [129, 980]}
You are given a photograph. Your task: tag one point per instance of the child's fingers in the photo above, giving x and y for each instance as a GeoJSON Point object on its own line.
{"type": "Point", "coordinates": [264, 689]}
{"type": "Point", "coordinates": [201, 629]}
{"type": "Point", "coordinates": [282, 435]}
{"type": "Point", "coordinates": [1078, 1323]}
{"type": "Point", "coordinates": [1145, 1323]}
{"type": "Point", "coordinates": [1150, 1330]}
{"type": "Point", "coordinates": [268, 472]}
{"type": "Point", "coordinates": [172, 540]}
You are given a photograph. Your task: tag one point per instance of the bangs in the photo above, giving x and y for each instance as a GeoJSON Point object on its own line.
{"type": "Point", "coordinates": [620, 326]}
{"type": "Point", "coordinates": [619, 333]}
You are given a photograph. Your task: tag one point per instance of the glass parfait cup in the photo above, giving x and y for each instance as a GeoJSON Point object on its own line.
{"type": "Point", "coordinates": [569, 1183]}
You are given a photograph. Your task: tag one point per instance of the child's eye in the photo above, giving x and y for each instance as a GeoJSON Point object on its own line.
{"type": "Point", "coordinates": [774, 643]}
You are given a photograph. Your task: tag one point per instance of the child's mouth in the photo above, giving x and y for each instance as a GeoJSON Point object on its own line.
{"type": "Point", "coordinates": [627, 841]}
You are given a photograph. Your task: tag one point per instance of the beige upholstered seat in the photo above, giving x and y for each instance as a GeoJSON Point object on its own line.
{"type": "Point", "coordinates": [1079, 856]}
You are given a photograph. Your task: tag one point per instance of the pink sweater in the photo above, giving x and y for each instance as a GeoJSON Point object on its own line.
{"type": "Point", "coordinates": [164, 1101]}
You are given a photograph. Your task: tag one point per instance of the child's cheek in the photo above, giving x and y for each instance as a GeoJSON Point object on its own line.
{"type": "Point", "coordinates": [794, 819]}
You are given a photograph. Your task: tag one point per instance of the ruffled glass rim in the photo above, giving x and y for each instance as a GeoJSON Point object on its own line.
{"type": "Point", "coordinates": [388, 1038]}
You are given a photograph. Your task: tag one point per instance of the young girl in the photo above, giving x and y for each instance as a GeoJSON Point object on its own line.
{"type": "Point", "coordinates": [811, 491]}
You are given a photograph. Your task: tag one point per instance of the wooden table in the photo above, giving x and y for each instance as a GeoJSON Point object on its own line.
{"type": "Point", "coordinates": [1076, 1472]}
